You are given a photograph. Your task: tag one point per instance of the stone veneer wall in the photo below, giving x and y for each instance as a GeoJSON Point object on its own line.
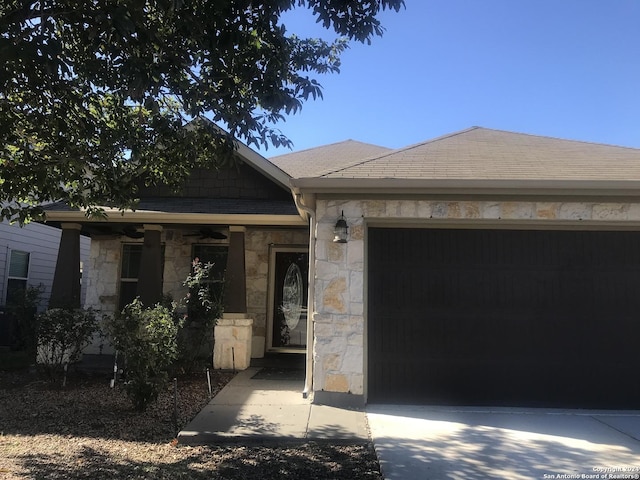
{"type": "Point", "coordinates": [102, 281]}
{"type": "Point", "coordinates": [339, 334]}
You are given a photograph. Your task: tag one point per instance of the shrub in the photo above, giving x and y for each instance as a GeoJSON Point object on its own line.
{"type": "Point", "coordinates": [23, 309]}
{"type": "Point", "coordinates": [62, 334]}
{"type": "Point", "coordinates": [147, 338]}
{"type": "Point", "coordinates": [204, 306]}
{"type": "Point", "coordinates": [204, 299]}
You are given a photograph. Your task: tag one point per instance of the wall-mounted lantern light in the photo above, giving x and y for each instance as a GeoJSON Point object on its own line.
{"type": "Point", "coordinates": [341, 230]}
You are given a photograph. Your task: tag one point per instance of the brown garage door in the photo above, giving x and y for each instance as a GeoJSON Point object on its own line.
{"type": "Point", "coordinates": [504, 317]}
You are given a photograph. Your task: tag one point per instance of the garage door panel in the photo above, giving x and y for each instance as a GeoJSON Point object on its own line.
{"type": "Point", "coordinates": [503, 317]}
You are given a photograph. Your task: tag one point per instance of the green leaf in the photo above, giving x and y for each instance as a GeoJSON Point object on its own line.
{"type": "Point", "coordinates": [102, 98]}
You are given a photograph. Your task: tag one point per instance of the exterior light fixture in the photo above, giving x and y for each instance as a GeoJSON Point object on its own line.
{"type": "Point", "coordinates": [341, 230]}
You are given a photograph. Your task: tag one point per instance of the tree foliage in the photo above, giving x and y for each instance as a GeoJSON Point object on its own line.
{"type": "Point", "coordinates": [95, 95]}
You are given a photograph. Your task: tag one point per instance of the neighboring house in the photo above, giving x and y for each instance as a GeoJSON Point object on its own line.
{"type": "Point", "coordinates": [28, 259]}
{"type": "Point", "coordinates": [483, 267]}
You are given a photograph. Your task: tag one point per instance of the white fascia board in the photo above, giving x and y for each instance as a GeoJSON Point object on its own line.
{"type": "Point", "coordinates": [146, 216]}
{"type": "Point", "coordinates": [263, 165]}
{"type": "Point", "coordinates": [398, 186]}
{"type": "Point", "coordinates": [257, 161]}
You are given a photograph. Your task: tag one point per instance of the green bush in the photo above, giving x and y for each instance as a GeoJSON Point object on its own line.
{"type": "Point", "coordinates": [147, 338]}
{"type": "Point", "coordinates": [23, 308]}
{"type": "Point", "coordinates": [204, 306]}
{"type": "Point", "coordinates": [62, 334]}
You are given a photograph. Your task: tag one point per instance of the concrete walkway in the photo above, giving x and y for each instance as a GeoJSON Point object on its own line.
{"type": "Point", "coordinates": [427, 442]}
{"type": "Point", "coordinates": [252, 410]}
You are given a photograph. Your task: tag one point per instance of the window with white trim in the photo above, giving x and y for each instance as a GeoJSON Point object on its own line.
{"type": "Point", "coordinates": [18, 276]}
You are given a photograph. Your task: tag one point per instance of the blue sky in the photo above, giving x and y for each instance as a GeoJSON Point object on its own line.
{"type": "Point", "coordinates": [561, 68]}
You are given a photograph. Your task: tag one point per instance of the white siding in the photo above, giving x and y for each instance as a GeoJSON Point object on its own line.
{"type": "Point", "coordinates": [42, 243]}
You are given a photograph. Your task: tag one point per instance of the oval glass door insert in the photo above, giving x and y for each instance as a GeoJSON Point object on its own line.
{"type": "Point", "coordinates": [292, 296]}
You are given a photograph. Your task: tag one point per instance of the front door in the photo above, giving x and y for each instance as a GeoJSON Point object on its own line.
{"type": "Point", "coordinates": [289, 273]}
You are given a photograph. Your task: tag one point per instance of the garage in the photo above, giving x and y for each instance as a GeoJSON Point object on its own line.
{"type": "Point", "coordinates": [503, 317]}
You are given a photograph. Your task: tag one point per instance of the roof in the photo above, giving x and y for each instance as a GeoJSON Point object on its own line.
{"type": "Point", "coordinates": [315, 162]}
{"type": "Point", "coordinates": [485, 161]}
{"type": "Point", "coordinates": [482, 153]}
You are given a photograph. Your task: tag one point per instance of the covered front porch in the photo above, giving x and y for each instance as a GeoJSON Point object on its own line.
{"type": "Point", "coordinates": [131, 258]}
{"type": "Point", "coordinates": [242, 218]}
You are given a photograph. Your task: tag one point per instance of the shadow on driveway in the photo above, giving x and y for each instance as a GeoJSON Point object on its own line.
{"type": "Point", "coordinates": [471, 443]}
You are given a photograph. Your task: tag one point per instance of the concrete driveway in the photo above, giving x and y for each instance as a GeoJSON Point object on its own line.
{"type": "Point", "coordinates": [421, 442]}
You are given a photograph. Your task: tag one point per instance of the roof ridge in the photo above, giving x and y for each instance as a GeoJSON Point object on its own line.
{"type": "Point", "coordinates": [324, 146]}
{"type": "Point", "coordinates": [392, 152]}
{"type": "Point", "coordinates": [467, 130]}
{"type": "Point", "coordinates": [550, 137]}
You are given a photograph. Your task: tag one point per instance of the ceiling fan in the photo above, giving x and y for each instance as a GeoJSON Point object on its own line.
{"type": "Point", "coordinates": [109, 231]}
{"type": "Point", "coordinates": [205, 233]}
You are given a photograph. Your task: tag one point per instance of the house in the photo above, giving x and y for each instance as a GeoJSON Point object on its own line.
{"type": "Point", "coordinates": [483, 267]}
{"type": "Point", "coordinates": [28, 259]}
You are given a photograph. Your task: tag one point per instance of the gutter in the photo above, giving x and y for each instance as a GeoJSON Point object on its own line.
{"type": "Point", "coordinates": [308, 383]}
{"type": "Point", "coordinates": [431, 186]}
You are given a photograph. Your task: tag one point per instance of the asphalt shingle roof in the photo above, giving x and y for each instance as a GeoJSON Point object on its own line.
{"type": "Point", "coordinates": [315, 162]}
{"type": "Point", "coordinates": [481, 153]}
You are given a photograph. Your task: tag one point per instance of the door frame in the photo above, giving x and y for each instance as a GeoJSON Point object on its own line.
{"type": "Point", "coordinates": [273, 250]}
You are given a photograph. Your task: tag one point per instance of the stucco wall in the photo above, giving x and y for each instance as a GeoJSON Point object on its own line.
{"type": "Point", "coordinates": [339, 304]}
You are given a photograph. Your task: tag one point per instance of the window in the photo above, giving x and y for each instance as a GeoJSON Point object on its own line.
{"type": "Point", "coordinates": [217, 255]}
{"type": "Point", "coordinates": [129, 272]}
{"type": "Point", "coordinates": [18, 276]}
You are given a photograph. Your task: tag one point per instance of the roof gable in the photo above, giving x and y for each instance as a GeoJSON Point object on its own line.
{"type": "Point", "coordinates": [235, 181]}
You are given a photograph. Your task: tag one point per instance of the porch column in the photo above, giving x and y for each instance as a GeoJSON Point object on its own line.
{"type": "Point", "coordinates": [235, 286]}
{"type": "Point", "coordinates": [150, 275]}
{"type": "Point", "coordinates": [233, 332]}
{"type": "Point", "coordinates": [65, 291]}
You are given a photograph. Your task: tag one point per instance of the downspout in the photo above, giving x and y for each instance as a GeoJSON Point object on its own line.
{"type": "Point", "coordinates": [308, 383]}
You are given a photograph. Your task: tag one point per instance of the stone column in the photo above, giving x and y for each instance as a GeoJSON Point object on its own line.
{"type": "Point", "coordinates": [233, 332]}
{"type": "Point", "coordinates": [65, 291]}
{"type": "Point", "coordinates": [150, 275]}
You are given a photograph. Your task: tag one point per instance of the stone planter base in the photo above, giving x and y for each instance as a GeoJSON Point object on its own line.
{"type": "Point", "coordinates": [232, 342]}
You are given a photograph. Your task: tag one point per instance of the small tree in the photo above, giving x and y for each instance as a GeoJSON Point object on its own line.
{"type": "Point", "coordinates": [62, 334]}
{"type": "Point", "coordinates": [147, 338]}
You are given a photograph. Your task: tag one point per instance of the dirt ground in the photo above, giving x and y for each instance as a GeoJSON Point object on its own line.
{"type": "Point", "coordinates": [87, 430]}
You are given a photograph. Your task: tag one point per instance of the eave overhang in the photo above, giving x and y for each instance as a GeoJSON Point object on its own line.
{"type": "Point", "coordinates": [463, 187]}
{"type": "Point", "coordinates": [165, 218]}
{"type": "Point", "coordinates": [263, 166]}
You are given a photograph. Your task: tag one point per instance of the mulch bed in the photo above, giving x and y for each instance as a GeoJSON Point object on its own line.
{"type": "Point", "coordinates": [88, 430]}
